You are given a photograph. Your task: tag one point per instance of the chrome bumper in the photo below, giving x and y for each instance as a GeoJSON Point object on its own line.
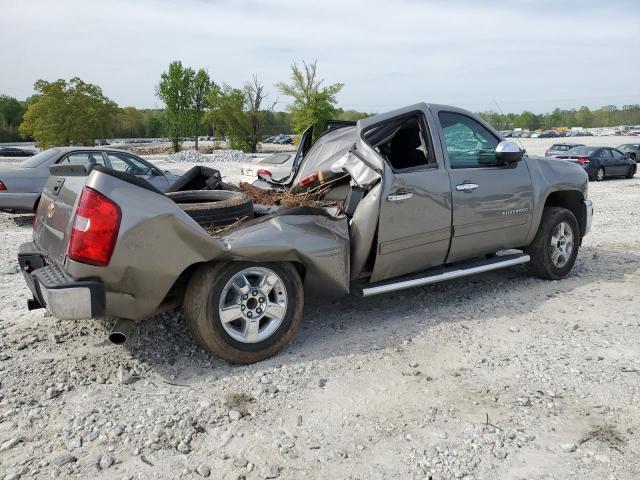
{"type": "Point", "coordinates": [52, 289]}
{"type": "Point", "coordinates": [588, 206]}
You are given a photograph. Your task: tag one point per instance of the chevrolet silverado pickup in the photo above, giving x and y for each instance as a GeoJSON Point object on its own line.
{"type": "Point", "coordinates": [418, 195]}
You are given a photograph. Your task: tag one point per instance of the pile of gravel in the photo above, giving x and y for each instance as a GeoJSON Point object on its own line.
{"type": "Point", "coordinates": [190, 156]}
{"type": "Point", "coordinates": [229, 156]}
{"type": "Point", "coordinates": [224, 156]}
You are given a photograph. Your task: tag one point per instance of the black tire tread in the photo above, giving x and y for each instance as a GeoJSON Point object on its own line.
{"type": "Point", "coordinates": [541, 264]}
{"type": "Point", "coordinates": [631, 172]}
{"type": "Point", "coordinates": [198, 319]}
{"type": "Point", "coordinates": [214, 207]}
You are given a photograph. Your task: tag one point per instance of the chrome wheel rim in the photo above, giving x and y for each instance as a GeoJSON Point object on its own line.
{"type": "Point", "coordinates": [561, 244]}
{"type": "Point", "coordinates": [600, 174]}
{"type": "Point", "coordinates": [253, 305]}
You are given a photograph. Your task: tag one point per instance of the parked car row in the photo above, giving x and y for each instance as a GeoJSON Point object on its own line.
{"type": "Point", "coordinates": [545, 133]}
{"type": "Point", "coordinates": [279, 139]}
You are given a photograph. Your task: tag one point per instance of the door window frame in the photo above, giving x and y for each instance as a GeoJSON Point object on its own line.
{"type": "Point", "coordinates": [76, 152]}
{"type": "Point", "coordinates": [615, 150]}
{"type": "Point", "coordinates": [445, 152]}
{"type": "Point", "coordinates": [152, 168]}
{"type": "Point", "coordinates": [424, 126]}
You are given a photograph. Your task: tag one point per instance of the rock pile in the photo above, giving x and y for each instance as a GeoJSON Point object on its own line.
{"type": "Point", "coordinates": [224, 156]}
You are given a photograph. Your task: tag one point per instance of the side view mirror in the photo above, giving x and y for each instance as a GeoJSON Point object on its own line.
{"type": "Point", "coordinates": [508, 152]}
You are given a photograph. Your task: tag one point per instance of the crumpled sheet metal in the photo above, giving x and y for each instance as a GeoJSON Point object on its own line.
{"type": "Point", "coordinates": [363, 175]}
{"type": "Point", "coordinates": [320, 242]}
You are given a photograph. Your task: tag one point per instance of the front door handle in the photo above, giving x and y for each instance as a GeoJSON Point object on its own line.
{"type": "Point", "coordinates": [466, 187]}
{"type": "Point", "coordinates": [399, 196]}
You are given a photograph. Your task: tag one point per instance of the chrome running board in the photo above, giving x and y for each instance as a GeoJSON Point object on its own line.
{"type": "Point", "coordinates": [442, 274]}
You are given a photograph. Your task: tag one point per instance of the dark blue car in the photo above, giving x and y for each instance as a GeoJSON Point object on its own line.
{"type": "Point", "coordinates": [601, 162]}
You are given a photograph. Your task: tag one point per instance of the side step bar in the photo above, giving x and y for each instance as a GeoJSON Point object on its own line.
{"type": "Point", "coordinates": [442, 274]}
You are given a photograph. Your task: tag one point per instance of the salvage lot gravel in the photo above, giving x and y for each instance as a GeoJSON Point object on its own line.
{"type": "Point", "coordinates": [494, 376]}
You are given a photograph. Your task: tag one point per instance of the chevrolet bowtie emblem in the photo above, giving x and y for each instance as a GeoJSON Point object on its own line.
{"type": "Point", "coordinates": [51, 210]}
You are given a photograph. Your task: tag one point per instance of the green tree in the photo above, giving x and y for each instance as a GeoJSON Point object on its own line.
{"type": "Point", "coordinates": [584, 117]}
{"type": "Point", "coordinates": [528, 120]}
{"type": "Point", "coordinates": [175, 90]}
{"type": "Point", "coordinates": [154, 126]}
{"type": "Point", "coordinates": [65, 113]}
{"type": "Point", "coordinates": [131, 122]}
{"type": "Point", "coordinates": [240, 113]}
{"type": "Point", "coordinates": [200, 88]}
{"type": "Point", "coordinates": [352, 115]}
{"type": "Point", "coordinates": [313, 104]}
{"type": "Point", "coordinates": [11, 111]}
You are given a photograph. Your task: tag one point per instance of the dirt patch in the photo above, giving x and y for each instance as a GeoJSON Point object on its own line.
{"type": "Point", "coordinates": [310, 198]}
{"type": "Point", "coordinates": [239, 402]}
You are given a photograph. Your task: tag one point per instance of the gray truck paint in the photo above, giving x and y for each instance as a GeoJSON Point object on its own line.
{"type": "Point", "coordinates": [158, 242]}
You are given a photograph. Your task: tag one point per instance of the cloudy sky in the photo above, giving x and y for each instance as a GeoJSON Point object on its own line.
{"type": "Point", "coordinates": [527, 54]}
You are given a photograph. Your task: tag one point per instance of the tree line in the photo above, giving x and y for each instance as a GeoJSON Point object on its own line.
{"type": "Point", "coordinates": [606, 116]}
{"type": "Point", "coordinates": [66, 112]}
{"type": "Point", "coordinates": [75, 112]}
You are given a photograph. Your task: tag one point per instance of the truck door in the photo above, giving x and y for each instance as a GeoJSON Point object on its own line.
{"type": "Point", "coordinates": [492, 203]}
{"type": "Point", "coordinates": [414, 225]}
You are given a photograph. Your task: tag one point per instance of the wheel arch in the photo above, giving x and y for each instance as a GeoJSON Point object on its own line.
{"type": "Point", "coordinates": [572, 200]}
{"type": "Point", "coordinates": [175, 295]}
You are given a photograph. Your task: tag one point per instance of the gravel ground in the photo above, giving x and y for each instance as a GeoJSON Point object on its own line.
{"type": "Point", "coordinates": [494, 376]}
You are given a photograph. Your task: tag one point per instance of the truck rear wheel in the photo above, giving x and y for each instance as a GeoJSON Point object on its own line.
{"type": "Point", "coordinates": [555, 246]}
{"type": "Point", "coordinates": [244, 312]}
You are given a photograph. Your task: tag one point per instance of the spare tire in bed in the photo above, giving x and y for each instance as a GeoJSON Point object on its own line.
{"type": "Point", "coordinates": [217, 207]}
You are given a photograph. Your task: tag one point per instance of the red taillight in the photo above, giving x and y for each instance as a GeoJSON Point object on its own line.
{"type": "Point", "coordinates": [264, 173]}
{"type": "Point", "coordinates": [313, 177]}
{"type": "Point", "coordinates": [95, 229]}
{"type": "Point", "coordinates": [583, 160]}
{"type": "Point", "coordinates": [2, 187]}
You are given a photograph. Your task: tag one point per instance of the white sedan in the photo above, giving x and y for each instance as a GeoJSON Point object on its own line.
{"type": "Point", "coordinates": [277, 166]}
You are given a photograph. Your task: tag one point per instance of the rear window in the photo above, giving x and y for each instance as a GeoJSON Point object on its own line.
{"type": "Point", "coordinates": [275, 159]}
{"type": "Point", "coordinates": [585, 151]}
{"type": "Point", "coordinates": [560, 148]}
{"type": "Point", "coordinates": [40, 158]}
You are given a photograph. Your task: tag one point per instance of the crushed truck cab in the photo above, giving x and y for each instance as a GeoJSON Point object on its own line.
{"type": "Point", "coordinates": [418, 195]}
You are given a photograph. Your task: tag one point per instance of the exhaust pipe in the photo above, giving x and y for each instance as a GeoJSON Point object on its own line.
{"type": "Point", "coordinates": [121, 331]}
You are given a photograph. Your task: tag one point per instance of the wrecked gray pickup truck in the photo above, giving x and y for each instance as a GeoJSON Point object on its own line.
{"type": "Point", "coordinates": [426, 193]}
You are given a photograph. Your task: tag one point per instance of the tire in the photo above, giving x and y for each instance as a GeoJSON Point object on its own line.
{"type": "Point", "coordinates": [541, 250]}
{"type": "Point", "coordinates": [631, 172]}
{"type": "Point", "coordinates": [209, 291]}
{"type": "Point", "coordinates": [216, 207]}
{"type": "Point", "coordinates": [600, 175]}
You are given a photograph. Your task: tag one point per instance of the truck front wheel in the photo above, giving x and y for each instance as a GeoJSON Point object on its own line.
{"type": "Point", "coordinates": [244, 312]}
{"type": "Point", "coordinates": [555, 246]}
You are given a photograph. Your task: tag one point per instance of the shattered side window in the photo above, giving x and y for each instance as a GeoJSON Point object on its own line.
{"type": "Point", "coordinates": [468, 143]}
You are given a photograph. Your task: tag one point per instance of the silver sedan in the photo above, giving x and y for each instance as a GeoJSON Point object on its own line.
{"type": "Point", "coordinates": [20, 186]}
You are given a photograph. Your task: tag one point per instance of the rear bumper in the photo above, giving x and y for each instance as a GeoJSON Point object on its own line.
{"type": "Point", "coordinates": [54, 290]}
{"type": "Point", "coordinates": [18, 202]}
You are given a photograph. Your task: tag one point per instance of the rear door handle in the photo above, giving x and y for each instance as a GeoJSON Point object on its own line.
{"type": "Point", "coordinates": [466, 187]}
{"type": "Point", "coordinates": [399, 196]}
